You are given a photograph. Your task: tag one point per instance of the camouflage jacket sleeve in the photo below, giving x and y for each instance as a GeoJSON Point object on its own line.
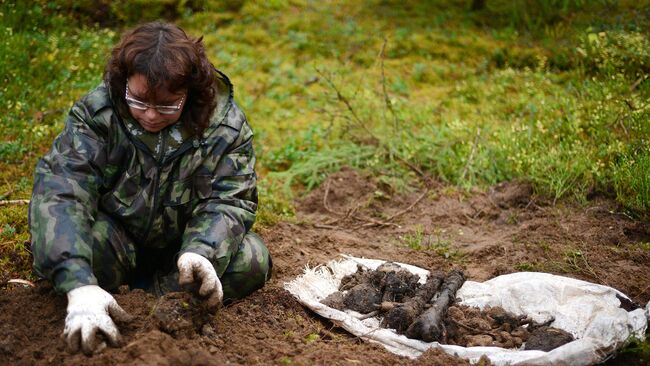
{"type": "Point", "coordinates": [64, 203]}
{"type": "Point", "coordinates": [220, 221]}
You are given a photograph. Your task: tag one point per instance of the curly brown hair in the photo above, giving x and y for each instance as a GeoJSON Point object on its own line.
{"type": "Point", "coordinates": [170, 59]}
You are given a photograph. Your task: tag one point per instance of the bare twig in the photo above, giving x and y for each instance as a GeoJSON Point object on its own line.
{"type": "Point", "coordinates": [619, 121]}
{"type": "Point", "coordinates": [329, 224]}
{"type": "Point", "coordinates": [389, 105]}
{"type": "Point", "coordinates": [470, 218]}
{"type": "Point", "coordinates": [369, 315]}
{"type": "Point", "coordinates": [10, 191]}
{"type": "Point", "coordinates": [351, 211]}
{"type": "Point", "coordinates": [327, 190]}
{"type": "Point", "coordinates": [17, 281]}
{"type": "Point", "coordinates": [410, 207]}
{"type": "Point", "coordinates": [643, 291]}
{"type": "Point", "coordinates": [359, 122]}
{"type": "Point", "coordinates": [345, 101]}
{"type": "Point", "coordinates": [638, 82]}
{"type": "Point", "coordinates": [13, 202]}
{"type": "Point", "coordinates": [372, 222]}
{"type": "Point", "coordinates": [326, 226]}
{"type": "Point", "coordinates": [427, 180]}
{"type": "Point", "coordinates": [588, 266]}
{"type": "Point", "coordinates": [621, 117]}
{"type": "Point", "coordinates": [474, 330]}
{"type": "Point", "coordinates": [470, 159]}
{"type": "Point", "coordinates": [21, 282]}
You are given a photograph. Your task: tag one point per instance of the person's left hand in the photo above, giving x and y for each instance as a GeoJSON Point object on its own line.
{"type": "Point", "coordinates": [194, 268]}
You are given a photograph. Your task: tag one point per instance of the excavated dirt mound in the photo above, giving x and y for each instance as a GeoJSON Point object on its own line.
{"type": "Point", "coordinates": [507, 229]}
{"type": "Point", "coordinates": [395, 296]}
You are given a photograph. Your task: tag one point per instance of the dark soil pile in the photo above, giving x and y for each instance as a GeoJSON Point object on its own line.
{"type": "Point", "coordinates": [467, 326]}
{"type": "Point", "coordinates": [506, 229]}
{"type": "Point", "coordinates": [366, 290]}
{"type": "Point", "coordinates": [394, 295]}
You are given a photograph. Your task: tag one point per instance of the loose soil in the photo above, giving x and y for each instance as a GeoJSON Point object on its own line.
{"type": "Point", "coordinates": [506, 229]}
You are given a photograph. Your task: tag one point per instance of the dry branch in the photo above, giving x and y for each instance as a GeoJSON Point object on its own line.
{"type": "Point", "coordinates": [387, 101]}
{"type": "Point", "coordinates": [13, 202]}
{"type": "Point", "coordinates": [327, 207]}
{"type": "Point", "coordinates": [359, 123]}
{"type": "Point", "coordinates": [400, 317]}
{"type": "Point", "coordinates": [429, 326]}
{"type": "Point", "coordinates": [388, 220]}
{"type": "Point", "coordinates": [326, 226]}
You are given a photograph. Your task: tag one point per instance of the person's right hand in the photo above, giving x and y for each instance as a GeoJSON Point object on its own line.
{"type": "Point", "coordinates": [195, 268]}
{"type": "Point", "coordinates": [91, 309]}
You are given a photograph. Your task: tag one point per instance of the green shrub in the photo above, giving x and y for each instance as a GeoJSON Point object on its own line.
{"type": "Point", "coordinates": [534, 15]}
{"type": "Point", "coordinates": [12, 150]}
{"type": "Point", "coordinates": [314, 167]}
{"type": "Point", "coordinates": [518, 58]}
{"type": "Point", "coordinates": [631, 179]}
{"type": "Point", "coordinates": [274, 205]}
{"type": "Point", "coordinates": [615, 52]}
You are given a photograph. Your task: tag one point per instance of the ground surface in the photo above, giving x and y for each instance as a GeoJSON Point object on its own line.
{"type": "Point", "coordinates": [505, 230]}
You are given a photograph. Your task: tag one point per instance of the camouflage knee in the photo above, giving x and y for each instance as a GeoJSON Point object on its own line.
{"type": "Point", "coordinates": [248, 270]}
{"type": "Point", "coordinates": [113, 253]}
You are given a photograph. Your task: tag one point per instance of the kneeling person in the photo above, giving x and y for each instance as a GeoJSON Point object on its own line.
{"type": "Point", "coordinates": [151, 184]}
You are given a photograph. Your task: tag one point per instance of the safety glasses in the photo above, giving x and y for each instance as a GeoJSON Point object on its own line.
{"type": "Point", "coordinates": [142, 106]}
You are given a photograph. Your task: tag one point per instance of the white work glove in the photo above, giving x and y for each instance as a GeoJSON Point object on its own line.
{"type": "Point", "coordinates": [91, 309]}
{"type": "Point", "coordinates": [194, 268]}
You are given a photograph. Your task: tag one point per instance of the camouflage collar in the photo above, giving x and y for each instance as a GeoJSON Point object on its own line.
{"type": "Point", "coordinates": [224, 103]}
{"type": "Point", "coordinates": [163, 143]}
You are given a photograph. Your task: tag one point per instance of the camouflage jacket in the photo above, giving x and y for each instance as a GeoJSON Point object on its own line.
{"type": "Point", "coordinates": [165, 188]}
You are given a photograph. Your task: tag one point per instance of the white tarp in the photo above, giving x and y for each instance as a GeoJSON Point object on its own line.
{"type": "Point", "coordinates": [590, 312]}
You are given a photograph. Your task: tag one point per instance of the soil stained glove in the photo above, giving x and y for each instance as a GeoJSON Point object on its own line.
{"type": "Point", "coordinates": [194, 268]}
{"type": "Point", "coordinates": [91, 309]}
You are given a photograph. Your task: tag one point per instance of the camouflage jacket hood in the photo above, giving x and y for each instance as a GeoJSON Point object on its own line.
{"type": "Point", "coordinates": [166, 189]}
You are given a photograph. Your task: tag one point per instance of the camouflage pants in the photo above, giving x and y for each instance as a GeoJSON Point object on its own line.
{"type": "Point", "coordinates": [117, 261]}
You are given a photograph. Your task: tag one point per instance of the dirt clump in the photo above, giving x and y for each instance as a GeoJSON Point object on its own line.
{"type": "Point", "coordinates": [511, 194]}
{"type": "Point", "coordinates": [180, 315]}
{"type": "Point", "coordinates": [547, 338]}
{"type": "Point", "coordinates": [493, 326]}
{"type": "Point", "coordinates": [366, 289]}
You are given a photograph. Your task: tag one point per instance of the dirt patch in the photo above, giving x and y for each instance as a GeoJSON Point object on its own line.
{"type": "Point", "coordinates": [507, 229]}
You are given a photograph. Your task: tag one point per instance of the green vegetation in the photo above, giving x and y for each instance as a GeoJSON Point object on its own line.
{"type": "Point", "coordinates": [285, 360]}
{"type": "Point", "coordinates": [416, 239]}
{"type": "Point", "coordinates": [435, 242]}
{"type": "Point", "coordinates": [636, 352]}
{"type": "Point", "coordinates": [311, 338]}
{"type": "Point", "coordinates": [552, 92]}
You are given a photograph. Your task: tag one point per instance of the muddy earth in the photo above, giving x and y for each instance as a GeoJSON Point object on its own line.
{"type": "Point", "coordinates": [506, 229]}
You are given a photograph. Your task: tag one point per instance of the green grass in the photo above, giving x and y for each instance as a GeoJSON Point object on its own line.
{"type": "Point", "coordinates": [434, 242]}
